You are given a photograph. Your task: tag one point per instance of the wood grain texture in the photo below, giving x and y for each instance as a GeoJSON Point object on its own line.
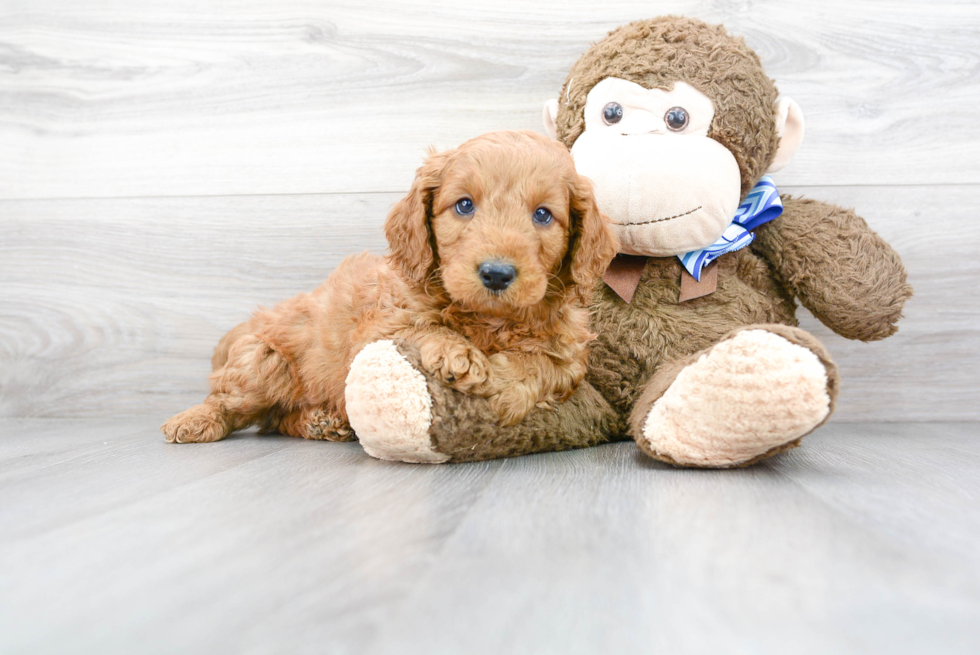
{"type": "Point", "coordinates": [114, 306]}
{"type": "Point", "coordinates": [862, 541]}
{"type": "Point", "coordinates": [127, 298]}
{"type": "Point", "coordinates": [114, 98]}
{"type": "Point", "coordinates": [110, 302]}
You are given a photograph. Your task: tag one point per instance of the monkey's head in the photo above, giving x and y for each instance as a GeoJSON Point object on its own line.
{"type": "Point", "coordinates": [674, 121]}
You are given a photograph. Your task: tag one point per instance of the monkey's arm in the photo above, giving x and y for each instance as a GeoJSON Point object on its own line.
{"type": "Point", "coordinates": [398, 419]}
{"type": "Point", "coordinates": [841, 270]}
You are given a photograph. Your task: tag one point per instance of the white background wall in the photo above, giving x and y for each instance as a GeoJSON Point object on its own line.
{"type": "Point", "coordinates": [167, 166]}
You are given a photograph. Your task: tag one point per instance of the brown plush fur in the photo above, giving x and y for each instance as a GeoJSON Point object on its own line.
{"type": "Point", "coordinates": [841, 270]}
{"type": "Point", "coordinates": [817, 254]}
{"type": "Point", "coordinates": [637, 338]}
{"type": "Point", "coordinates": [518, 347]}
{"type": "Point", "coordinates": [465, 427]}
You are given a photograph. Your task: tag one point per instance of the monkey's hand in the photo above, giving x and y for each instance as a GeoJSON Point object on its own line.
{"type": "Point", "coordinates": [840, 269]}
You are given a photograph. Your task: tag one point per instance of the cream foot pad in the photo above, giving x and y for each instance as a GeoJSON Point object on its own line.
{"type": "Point", "coordinates": [389, 406]}
{"type": "Point", "coordinates": [746, 396]}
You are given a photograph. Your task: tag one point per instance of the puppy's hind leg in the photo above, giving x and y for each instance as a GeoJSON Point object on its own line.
{"type": "Point", "coordinates": [315, 423]}
{"type": "Point", "coordinates": [221, 351]}
{"type": "Point", "coordinates": [253, 379]}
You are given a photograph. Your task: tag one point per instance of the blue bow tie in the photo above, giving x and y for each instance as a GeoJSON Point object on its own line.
{"type": "Point", "coordinates": [760, 206]}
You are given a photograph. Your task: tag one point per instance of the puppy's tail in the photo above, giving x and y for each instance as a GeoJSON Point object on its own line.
{"type": "Point", "coordinates": [221, 350]}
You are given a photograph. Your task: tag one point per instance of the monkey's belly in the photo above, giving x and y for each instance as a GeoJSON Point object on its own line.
{"type": "Point", "coordinates": [636, 338]}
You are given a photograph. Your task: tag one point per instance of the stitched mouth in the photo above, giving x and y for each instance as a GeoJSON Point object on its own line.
{"type": "Point", "coordinates": [662, 220]}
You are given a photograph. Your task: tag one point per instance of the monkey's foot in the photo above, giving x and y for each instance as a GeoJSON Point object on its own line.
{"type": "Point", "coordinates": [389, 406]}
{"type": "Point", "coordinates": [752, 395]}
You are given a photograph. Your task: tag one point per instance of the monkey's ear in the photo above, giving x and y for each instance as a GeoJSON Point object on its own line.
{"type": "Point", "coordinates": [789, 127]}
{"type": "Point", "coordinates": [407, 226]}
{"type": "Point", "coordinates": [592, 244]}
{"type": "Point", "coordinates": [550, 115]}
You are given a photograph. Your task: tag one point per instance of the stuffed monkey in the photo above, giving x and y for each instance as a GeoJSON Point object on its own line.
{"type": "Point", "coordinates": [698, 356]}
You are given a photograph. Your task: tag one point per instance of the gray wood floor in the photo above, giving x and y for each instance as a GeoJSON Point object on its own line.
{"type": "Point", "coordinates": [864, 540]}
{"type": "Point", "coordinates": [165, 167]}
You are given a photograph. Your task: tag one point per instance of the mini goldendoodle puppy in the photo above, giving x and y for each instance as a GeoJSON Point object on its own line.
{"type": "Point", "coordinates": [493, 255]}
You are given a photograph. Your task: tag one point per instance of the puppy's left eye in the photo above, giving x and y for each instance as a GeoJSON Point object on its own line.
{"type": "Point", "coordinates": [465, 207]}
{"type": "Point", "coordinates": [542, 216]}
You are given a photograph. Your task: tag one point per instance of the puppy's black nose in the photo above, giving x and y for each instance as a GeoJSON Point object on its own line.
{"type": "Point", "coordinates": [497, 276]}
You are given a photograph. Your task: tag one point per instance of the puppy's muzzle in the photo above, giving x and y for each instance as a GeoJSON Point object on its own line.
{"type": "Point", "coordinates": [497, 275]}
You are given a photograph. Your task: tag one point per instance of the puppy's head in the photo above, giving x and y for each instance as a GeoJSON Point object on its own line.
{"type": "Point", "coordinates": [502, 222]}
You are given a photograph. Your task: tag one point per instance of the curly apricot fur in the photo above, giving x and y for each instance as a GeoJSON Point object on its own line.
{"type": "Point", "coordinates": [285, 368]}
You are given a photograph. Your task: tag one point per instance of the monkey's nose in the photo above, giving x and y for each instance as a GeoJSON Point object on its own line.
{"type": "Point", "coordinates": [496, 275]}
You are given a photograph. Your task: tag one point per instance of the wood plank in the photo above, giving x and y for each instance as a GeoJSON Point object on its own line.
{"type": "Point", "coordinates": [110, 299]}
{"type": "Point", "coordinates": [935, 464]}
{"type": "Point", "coordinates": [109, 99]}
{"type": "Point", "coordinates": [863, 540]}
{"type": "Point", "coordinates": [232, 547]}
{"type": "Point", "coordinates": [51, 441]}
{"type": "Point", "coordinates": [103, 461]}
{"type": "Point", "coordinates": [113, 306]}
{"type": "Point", "coordinates": [603, 551]}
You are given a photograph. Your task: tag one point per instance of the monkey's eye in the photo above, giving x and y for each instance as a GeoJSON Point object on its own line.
{"type": "Point", "coordinates": [612, 113]}
{"type": "Point", "coordinates": [542, 216]}
{"type": "Point", "coordinates": [465, 207]}
{"type": "Point", "coordinates": [676, 119]}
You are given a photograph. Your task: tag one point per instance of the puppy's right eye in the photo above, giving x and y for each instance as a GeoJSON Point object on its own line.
{"type": "Point", "coordinates": [465, 207]}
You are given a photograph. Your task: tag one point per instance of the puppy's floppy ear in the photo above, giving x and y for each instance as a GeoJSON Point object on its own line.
{"type": "Point", "coordinates": [407, 226]}
{"type": "Point", "coordinates": [592, 242]}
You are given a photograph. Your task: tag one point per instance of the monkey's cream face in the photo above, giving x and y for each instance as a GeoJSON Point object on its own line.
{"type": "Point", "coordinates": [668, 188]}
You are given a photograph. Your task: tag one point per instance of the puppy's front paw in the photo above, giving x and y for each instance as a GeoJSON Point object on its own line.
{"type": "Point", "coordinates": [199, 424]}
{"type": "Point", "coordinates": [461, 365]}
{"type": "Point", "coordinates": [512, 403]}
